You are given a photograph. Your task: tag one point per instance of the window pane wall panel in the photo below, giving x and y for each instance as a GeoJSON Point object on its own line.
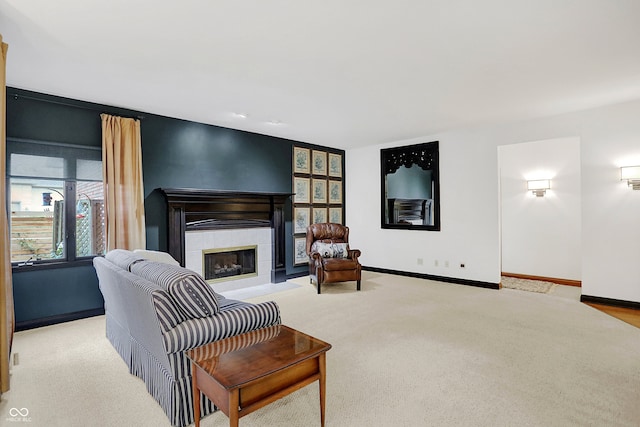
{"type": "Point", "coordinates": [90, 226]}
{"type": "Point", "coordinates": [40, 166]}
{"type": "Point", "coordinates": [90, 170]}
{"type": "Point", "coordinates": [37, 219]}
{"type": "Point", "coordinates": [57, 202]}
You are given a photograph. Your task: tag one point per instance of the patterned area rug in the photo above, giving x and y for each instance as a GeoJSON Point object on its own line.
{"type": "Point", "coordinates": [528, 285]}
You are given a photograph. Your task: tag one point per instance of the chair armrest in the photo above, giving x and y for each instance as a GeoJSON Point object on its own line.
{"type": "Point", "coordinates": [316, 258]}
{"type": "Point", "coordinates": [196, 332]}
{"type": "Point", "coordinates": [354, 254]}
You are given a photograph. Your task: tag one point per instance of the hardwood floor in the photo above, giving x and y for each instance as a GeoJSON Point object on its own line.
{"type": "Point", "coordinates": [628, 315]}
{"type": "Point", "coordinates": [566, 282]}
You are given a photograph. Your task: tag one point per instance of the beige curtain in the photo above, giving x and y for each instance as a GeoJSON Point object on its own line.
{"type": "Point", "coordinates": [122, 173]}
{"type": "Point", "coordinates": [7, 320]}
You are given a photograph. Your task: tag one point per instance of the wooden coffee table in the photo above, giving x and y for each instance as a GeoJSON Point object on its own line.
{"type": "Point", "coordinates": [244, 373]}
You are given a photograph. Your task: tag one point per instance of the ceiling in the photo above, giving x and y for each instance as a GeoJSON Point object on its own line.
{"type": "Point", "coordinates": [339, 73]}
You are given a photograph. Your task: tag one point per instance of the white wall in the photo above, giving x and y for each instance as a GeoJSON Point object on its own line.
{"type": "Point", "coordinates": [469, 183]}
{"type": "Point", "coordinates": [469, 213]}
{"type": "Point", "coordinates": [541, 235]}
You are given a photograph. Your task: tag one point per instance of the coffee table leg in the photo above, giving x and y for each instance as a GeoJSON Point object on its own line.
{"type": "Point", "coordinates": [323, 388]}
{"type": "Point", "coordinates": [196, 396]}
{"type": "Point", "coordinates": [234, 405]}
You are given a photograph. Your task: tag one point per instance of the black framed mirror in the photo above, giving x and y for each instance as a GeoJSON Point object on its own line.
{"type": "Point", "coordinates": [411, 187]}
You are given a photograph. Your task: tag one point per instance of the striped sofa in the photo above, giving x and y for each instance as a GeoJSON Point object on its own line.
{"type": "Point", "coordinates": [156, 311]}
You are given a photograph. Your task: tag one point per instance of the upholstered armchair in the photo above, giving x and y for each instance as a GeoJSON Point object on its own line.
{"type": "Point", "coordinates": [330, 258]}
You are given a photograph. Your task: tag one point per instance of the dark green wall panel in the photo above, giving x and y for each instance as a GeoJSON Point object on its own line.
{"type": "Point", "coordinates": [56, 121]}
{"type": "Point", "coordinates": [52, 292]}
{"type": "Point", "coordinates": [183, 154]}
{"type": "Point", "coordinates": [176, 153]}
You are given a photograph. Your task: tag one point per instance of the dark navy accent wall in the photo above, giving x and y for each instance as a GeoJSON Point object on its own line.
{"type": "Point", "coordinates": [175, 154]}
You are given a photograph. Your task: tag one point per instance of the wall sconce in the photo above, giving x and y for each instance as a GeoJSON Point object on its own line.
{"type": "Point", "coordinates": [632, 175]}
{"type": "Point", "coordinates": [539, 186]}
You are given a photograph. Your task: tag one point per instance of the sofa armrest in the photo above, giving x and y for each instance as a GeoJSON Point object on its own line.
{"type": "Point", "coordinates": [196, 332]}
{"type": "Point", "coordinates": [239, 342]}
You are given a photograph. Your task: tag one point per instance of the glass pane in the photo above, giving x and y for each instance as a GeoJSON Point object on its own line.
{"type": "Point", "coordinates": [37, 219]}
{"type": "Point", "coordinates": [89, 169]}
{"type": "Point", "coordinates": [90, 235]}
{"type": "Point", "coordinates": [42, 166]}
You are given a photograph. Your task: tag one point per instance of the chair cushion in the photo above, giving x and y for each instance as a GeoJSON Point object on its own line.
{"type": "Point", "coordinates": [192, 294]}
{"type": "Point", "coordinates": [331, 250]}
{"type": "Point", "coordinates": [338, 264]}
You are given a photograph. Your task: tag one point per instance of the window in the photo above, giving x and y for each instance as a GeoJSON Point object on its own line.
{"type": "Point", "coordinates": [57, 202]}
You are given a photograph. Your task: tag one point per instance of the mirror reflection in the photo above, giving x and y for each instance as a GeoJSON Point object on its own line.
{"type": "Point", "coordinates": [410, 187]}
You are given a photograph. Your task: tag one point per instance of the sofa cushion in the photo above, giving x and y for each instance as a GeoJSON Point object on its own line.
{"type": "Point", "coordinates": [192, 294]}
{"type": "Point", "coordinates": [123, 258]}
{"type": "Point", "coordinates": [330, 250]}
{"type": "Point", "coordinates": [169, 314]}
{"type": "Point", "coordinates": [156, 256]}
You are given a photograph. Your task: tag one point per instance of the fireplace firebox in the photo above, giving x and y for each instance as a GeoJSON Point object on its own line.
{"type": "Point", "coordinates": [229, 263]}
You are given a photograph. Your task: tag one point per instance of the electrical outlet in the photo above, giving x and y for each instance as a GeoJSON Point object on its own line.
{"type": "Point", "coordinates": [16, 359]}
{"type": "Point", "coordinates": [420, 261]}
{"type": "Point", "coordinates": [435, 263]}
{"type": "Point", "coordinates": [446, 263]}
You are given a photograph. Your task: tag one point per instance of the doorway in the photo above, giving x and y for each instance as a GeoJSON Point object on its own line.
{"type": "Point", "coordinates": [541, 233]}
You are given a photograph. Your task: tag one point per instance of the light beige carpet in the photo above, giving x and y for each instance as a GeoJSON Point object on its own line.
{"type": "Point", "coordinates": [406, 352]}
{"type": "Point", "coordinates": [528, 285]}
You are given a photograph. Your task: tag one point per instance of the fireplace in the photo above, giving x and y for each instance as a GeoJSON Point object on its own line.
{"type": "Point", "coordinates": [257, 240]}
{"type": "Point", "coordinates": [191, 210]}
{"type": "Point", "coordinates": [229, 263]}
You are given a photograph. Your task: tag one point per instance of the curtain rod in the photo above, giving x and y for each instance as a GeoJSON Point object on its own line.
{"type": "Point", "coordinates": [69, 104]}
